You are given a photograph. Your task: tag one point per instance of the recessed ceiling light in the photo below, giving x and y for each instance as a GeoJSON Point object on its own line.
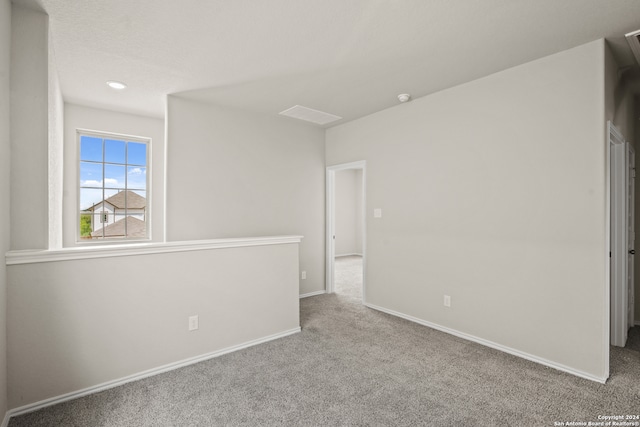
{"type": "Point", "coordinates": [116, 85]}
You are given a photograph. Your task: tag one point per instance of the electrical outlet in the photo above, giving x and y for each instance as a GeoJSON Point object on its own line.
{"type": "Point", "coordinates": [193, 323]}
{"type": "Point", "coordinates": [303, 275]}
{"type": "Point", "coordinates": [447, 301]}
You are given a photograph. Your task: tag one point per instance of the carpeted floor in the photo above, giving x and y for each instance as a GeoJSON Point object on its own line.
{"type": "Point", "coordinates": [353, 366]}
{"type": "Point", "coordinates": [633, 339]}
{"type": "Point", "coordinates": [348, 277]}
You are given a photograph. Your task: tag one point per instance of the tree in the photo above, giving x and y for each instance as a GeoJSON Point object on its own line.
{"type": "Point", "coordinates": [85, 225]}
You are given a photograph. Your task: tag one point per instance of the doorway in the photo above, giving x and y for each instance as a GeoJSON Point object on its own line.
{"type": "Point", "coordinates": [622, 234]}
{"type": "Point", "coordinates": [346, 230]}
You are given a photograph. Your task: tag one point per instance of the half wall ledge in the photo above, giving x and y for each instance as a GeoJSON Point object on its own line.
{"type": "Point", "coordinates": [130, 249]}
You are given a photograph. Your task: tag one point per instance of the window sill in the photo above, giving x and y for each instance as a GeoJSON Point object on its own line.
{"type": "Point", "coordinates": [75, 253]}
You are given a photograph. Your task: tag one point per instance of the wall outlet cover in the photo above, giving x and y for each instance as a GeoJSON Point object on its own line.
{"type": "Point", "coordinates": [193, 323]}
{"type": "Point", "coordinates": [447, 301]}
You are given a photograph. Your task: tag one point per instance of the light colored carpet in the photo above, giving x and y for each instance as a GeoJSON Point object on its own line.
{"type": "Point", "coordinates": [348, 277]}
{"type": "Point", "coordinates": [353, 366]}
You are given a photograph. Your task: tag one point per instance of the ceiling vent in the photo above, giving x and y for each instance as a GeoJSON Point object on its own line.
{"type": "Point", "coordinates": [310, 115]}
{"type": "Point", "coordinates": [634, 41]}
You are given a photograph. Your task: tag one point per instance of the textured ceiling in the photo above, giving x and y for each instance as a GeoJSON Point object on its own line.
{"type": "Point", "coordinates": [348, 58]}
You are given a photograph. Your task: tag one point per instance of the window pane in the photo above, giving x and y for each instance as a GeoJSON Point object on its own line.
{"type": "Point", "coordinates": [137, 153]}
{"type": "Point", "coordinates": [117, 228]}
{"type": "Point", "coordinates": [137, 200]}
{"type": "Point", "coordinates": [97, 227]}
{"type": "Point", "coordinates": [137, 177]}
{"type": "Point", "coordinates": [103, 218]}
{"type": "Point", "coordinates": [110, 192]}
{"type": "Point", "coordinates": [111, 204]}
{"type": "Point", "coordinates": [90, 174]}
{"type": "Point", "coordinates": [136, 227]}
{"type": "Point", "coordinates": [114, 151]}
{"type": "Point", "coordinates": [89, 197]}
{"type": "Point", "coordinates": [96, 215]}
{"type": "Point", "coordinates": [85, 225]}
{"type": "Point", "coordinates": [91, 148]}
{"type": "Point", "coordinates": [137, 204]}
{"type": "Point", "coordinates": [114, 176]}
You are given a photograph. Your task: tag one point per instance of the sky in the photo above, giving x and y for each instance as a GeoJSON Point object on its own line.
{"type": "Point", "coordinates": [125, 166]}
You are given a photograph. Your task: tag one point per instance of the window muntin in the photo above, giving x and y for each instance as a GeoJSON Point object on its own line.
{"type": "Point", "coordinates": [113, 187]}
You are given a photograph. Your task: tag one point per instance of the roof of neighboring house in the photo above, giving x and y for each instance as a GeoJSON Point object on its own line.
{"type": "Point", "coordinates": [133, 201]}
{"type": "Point", "coordinates": [134, 226]}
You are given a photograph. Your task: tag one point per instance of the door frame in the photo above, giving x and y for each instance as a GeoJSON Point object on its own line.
{"type": "Point", "coordinates": [619, 235]}
{"type": "Point", "coordinates": [331, 223]}
{"type": "Point", "coordinates": [631, 232]}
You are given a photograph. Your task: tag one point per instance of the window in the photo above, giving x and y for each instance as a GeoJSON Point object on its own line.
{"type": "Point", "coordinates": [114, 187]}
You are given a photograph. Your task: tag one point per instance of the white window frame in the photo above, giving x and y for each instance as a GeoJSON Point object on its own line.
{"type": "Point", "coordinates": [116, 136]}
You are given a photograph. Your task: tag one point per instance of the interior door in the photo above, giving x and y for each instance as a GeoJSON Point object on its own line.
{"type": "Point", "coordinates": [631, 161]}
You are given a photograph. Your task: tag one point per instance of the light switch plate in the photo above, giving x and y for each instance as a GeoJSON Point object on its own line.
{"type": "Point", "coordinates": [377, 213]}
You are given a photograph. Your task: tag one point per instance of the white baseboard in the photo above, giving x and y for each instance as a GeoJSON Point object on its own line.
{"type": "Point", "coordinates": [637, 323]}
{"type": "Point", "coordinates": [5, 422]}
{"type": "Point", "coordinates": [342, 255]}
{"type": "Point", "coordinates": [492, 344]}
{"type": "Point", "coordinates": [144, 374]}
{"type": "Point", "coordinates": [312, 294]}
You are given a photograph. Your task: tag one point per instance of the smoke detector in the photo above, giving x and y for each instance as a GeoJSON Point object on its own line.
{"type": "Point", "coordinates": [634, 42]}
{"type": "Point", "coordinates": [404, 97]}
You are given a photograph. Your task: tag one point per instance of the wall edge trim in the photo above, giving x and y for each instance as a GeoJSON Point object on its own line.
{"type": "Point", "coordinates": [491, 344]}
{"type": "Point", "coordinates": [141, 375]}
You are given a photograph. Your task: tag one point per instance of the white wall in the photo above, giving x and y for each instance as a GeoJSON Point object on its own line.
{"type": "Point", "coordinates": [29, 129]}
{"type": "Point", "coordinates": [73, 324]}
{"type": "Point", "coordinates": [348, 212]}
{"type": "Point", "coordinates": [232, 173]}
{"type": "Point", "coordinates": [5, 198]}
{"type": "Point", "coordinates": [80, 117]}
{"type": "Point", "coordinates": [493, 192]}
